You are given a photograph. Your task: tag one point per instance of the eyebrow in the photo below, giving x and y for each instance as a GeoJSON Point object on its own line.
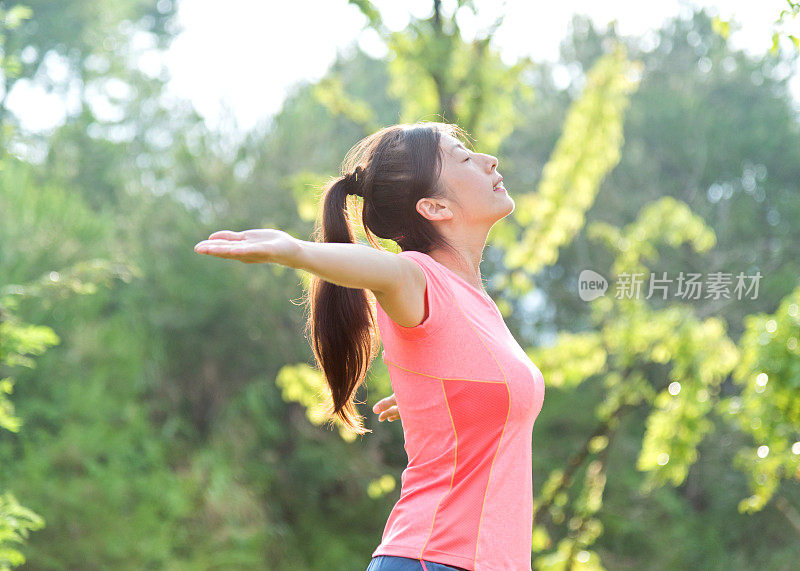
{"type": "Point", "coordinates": [457, 145]}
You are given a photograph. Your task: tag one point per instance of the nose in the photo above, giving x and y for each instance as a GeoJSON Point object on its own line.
{"type": "Point", "coordinates": [492, 161]}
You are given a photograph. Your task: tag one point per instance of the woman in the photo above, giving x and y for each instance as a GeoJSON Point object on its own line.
{"type": "Point", "coordinates": [466, 392]}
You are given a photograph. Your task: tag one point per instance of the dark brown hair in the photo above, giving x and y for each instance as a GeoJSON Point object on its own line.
{"type": "Point", "coordinates": [396, 166]}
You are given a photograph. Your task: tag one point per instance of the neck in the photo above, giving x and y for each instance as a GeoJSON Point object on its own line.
{"type": "Point", "coordinates": [468, 242]}
{"type": "Point", "coordinates": [466, 262]}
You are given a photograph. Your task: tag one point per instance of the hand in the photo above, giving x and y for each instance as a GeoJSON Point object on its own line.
{"type": "Point", "coordinates": [252, 246]}
{"type": "Point", "coordinates": [386, 409]}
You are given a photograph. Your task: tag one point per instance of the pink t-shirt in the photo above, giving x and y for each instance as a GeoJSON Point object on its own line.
{"type": "Point", "coordinates": [468, 396]}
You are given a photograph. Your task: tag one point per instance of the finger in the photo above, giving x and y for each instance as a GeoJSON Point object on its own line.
{"type": "Point", "coordinates": [219, 242]}
{"type": "Point", "coordinates": [232, 252]}
{"type": "Point", "coordinates": [218, 251]}
{"type": "Point", "coordinates": [227, 235]}
{"type": "Point", "coordinates": [213, 246]}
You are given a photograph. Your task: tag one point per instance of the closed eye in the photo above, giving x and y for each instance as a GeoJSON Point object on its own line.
{"type": "Point", "coordinates": [465, 160]}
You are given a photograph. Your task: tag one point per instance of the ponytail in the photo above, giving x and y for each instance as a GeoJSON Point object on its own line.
{"type": "Point", "coordinates": [341, 321]}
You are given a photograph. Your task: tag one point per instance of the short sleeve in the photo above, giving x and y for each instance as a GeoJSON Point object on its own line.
{"type": "Point", "coordinates": [438, 296]}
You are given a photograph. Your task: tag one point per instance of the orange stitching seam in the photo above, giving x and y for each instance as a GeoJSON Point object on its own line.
{"type": "Point", "coordinates": [480, 522]}
{"type": "Point", "coordinates": [440, 378]}
{"type": "Point", "coordinates": [452, 475]}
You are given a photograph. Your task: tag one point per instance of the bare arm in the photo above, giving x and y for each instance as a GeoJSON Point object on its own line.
{"type": "Point", "coordinates": [398, 283]}
{"type": "Point", "coordinates": [351, 265]}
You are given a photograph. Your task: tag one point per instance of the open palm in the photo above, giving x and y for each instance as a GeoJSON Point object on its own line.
{"type": "Point", "coordinates": [258, 246]}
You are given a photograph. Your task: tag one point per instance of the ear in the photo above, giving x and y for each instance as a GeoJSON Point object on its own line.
{"type": "Point", "coordinates": [434, 209]}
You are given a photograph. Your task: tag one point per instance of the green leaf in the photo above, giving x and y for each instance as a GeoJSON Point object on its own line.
{"type": "Point", "coordinates": [775, 44]}
{"type": "Point", "coordinates": [721, 27]}
{"type": "Point", "coordinates": [370, 11]}
{"type": "Point", "coordinates": [16, 15]}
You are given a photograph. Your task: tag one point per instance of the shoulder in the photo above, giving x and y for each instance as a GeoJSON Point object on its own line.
{"type": "Point", "coordinates": [425, 270]}
{"type": "Point", "coordinates": [421, 300]}
{"type": "Point", "coordinates": [420, 259]}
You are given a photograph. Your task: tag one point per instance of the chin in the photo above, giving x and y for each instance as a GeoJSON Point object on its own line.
{"type": "Point", "coordinates": [511, 207]}
{"type": "Point", "coordinates": [504, 213]}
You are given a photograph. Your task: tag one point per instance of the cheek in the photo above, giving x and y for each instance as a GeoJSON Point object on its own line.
{"type": "Point", "coordinates": [466, 179]}
{"type": "Point", "coordinates": [456, 181]}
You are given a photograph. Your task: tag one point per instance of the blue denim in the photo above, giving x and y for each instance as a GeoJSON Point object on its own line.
{"type": "Point", "coordinates": [396, 563]}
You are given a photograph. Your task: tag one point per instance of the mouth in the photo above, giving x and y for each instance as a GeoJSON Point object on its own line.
{"type": "Point", "coordinates": [498, 186]}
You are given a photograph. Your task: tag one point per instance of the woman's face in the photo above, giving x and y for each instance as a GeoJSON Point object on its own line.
{"type": "Point", "coordinates": [471, 183]}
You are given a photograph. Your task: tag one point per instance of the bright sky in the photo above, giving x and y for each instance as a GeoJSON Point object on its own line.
{"type": "Point", "coordinates": [243, 55]}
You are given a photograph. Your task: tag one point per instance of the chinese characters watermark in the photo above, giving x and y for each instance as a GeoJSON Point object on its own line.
{"type": "Point", "coordinates": [716, 285]}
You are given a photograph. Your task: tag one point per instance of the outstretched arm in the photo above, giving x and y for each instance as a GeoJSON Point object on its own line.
{"type": "Point", "coordinates": [398, 283]}
{"type": "Point", "coordinates": [348, 265]}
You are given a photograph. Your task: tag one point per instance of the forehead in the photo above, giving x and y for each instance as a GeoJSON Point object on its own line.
{"type": "Point", "coordinates": [450, 144]}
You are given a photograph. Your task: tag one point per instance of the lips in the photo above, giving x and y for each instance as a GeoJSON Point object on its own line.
{"type": "Point", "coordinates": [498, 186]}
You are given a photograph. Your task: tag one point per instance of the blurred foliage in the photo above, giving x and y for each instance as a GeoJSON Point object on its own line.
{"type": "Point", "coordinates": [19, 343]}
{"type": "Point", "coordinates": [434, 73]}
{"type": "Point", "coordinates": [302, 383]}
{"type": "Point", "coordinates": [16, 522]}
{"type": "Point", "coordinates": [768, 407]}
{"type": "Point", "coordinates": [631, 340]}
{"type": "Point", "coordinates": [792, 10]}
{"type": "Point", "coordinates": [587, 150]}
{"type": "Point", "coordinates": [177, 423]}
{"type": "Point", "coordinates": [786, 16]}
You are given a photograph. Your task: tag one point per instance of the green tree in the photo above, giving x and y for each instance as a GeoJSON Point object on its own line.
{"type": "Point", "coordinates": [658, 357]}
{"type": "Point", "coordinates": [19, 343]}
